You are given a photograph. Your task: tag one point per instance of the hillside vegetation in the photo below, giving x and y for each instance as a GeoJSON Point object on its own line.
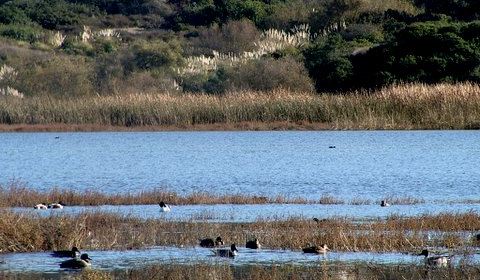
{"type": "Point", "coordinates": [72, 49]}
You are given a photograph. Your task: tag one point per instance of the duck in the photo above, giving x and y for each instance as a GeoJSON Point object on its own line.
{"type": "Point", "coordinates": [435, 261]}
{"type": "Point", "coordinates": [253, 244]}
{"type": "Point", "coordinates": [210, 243]}
{"type": "Point", "coordinates": [226, 252]}
{"type": "Point", "coordinates": [164, 207]}
{"type": "Point", "coordinates": [74, 252]}
{"type": "Point", "coordinates": [384, 203]}
{"type": "Point", "coordinates": [75, 263]}
{"type": "Point", "coordinates": [40, 206]}
{"type": "Point", "coordinates": [58, 205]}
{"type": "Point", "coordinates": [316, 250]}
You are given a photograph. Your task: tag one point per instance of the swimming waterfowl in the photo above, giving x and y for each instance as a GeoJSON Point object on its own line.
{"type": "Point", "coordinates": [40, 206]}
{"type": "Point", "coordinates": [83, 262]}
{"type": "Point", "coordinates": [210, 243]}
{"type": "Point", "coordinates": [384, 203]}
{"type": "Point", "coordinates": [58, 205]}
{"type": "Point", "coordinates": [253, 244]}
{"type": "Point", "coordinates": [316, 250]}
{"type": "Point", "coordinates": [164, 207]}
{"type": "Point", "coordinates": [74, 252]}
{"type": "Point", "coordinates": [435, 261]}
{"type": "Point", "coordinates": [226, 252]}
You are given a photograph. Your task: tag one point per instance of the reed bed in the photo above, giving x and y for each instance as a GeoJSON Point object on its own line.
{"type": "Point", "coordinates": [405, 106]}
{"type": "Point", "coordinates": [96, 230]}
{"type": "Point", "coordinates": [18, 194]}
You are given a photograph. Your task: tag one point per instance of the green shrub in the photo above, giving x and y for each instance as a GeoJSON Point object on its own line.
{"type": "Point", "coordinates": [428, 52]}
{"type": "Point", "coordinates": [21, 32]}
{"type": "Point", "coordinates": [328, 63]}
{"type": "Point", "coordinates": [57, 76]}
{"type": "Point", "coordinates": [258, 75]}
{"type": "Point", "coordinates": [73, 46]}
{"type": "Point", "coordinates": [10, 14]}
{"type": "Point", "coordinates": [157, 54]}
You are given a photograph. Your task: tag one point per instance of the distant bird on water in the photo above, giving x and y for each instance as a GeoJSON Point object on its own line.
{"type": "Point", "coordinates": [83, 262]}
{"type": "Point", "coordinates": [316, 250]}
{"type": "Point", "coordinates": [74, 252]}
{"type": "Point", "coordinates": [210, 243]}
{"type": "Point", "coordinates": [164, 207]}
{"type": "Point", "coordinates": [253, 244]}
{"type": "Point", "coordinates": [40, 206]}
{"type": "Point", "coordinates": [226, 252]}
{"type": "Point", "coordinates": [384, 203]}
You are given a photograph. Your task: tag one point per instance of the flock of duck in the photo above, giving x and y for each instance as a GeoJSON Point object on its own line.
{"type": "Point", "coordinates": [45, 206]}
{"type": "Point", "coordinates": [78, 261]}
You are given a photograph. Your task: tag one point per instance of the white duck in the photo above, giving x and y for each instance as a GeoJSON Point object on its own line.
{"type": "Point", "coordinates": [40, 206]}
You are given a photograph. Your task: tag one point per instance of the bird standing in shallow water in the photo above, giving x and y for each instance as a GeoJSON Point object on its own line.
{"type": "Point", "coordinates": [164, 207]}
{"type": "Point", "coordinates": [384, 203]}
{"type": "Point", "coordinates": [66, 253]}
{"type": "Point", "coordinates": [83, 262]}
{"type": "Point", "coordinates": [316, 250]}
{"type": "Point", "coordinates": [209, 243]}
{"type": "Point", "coordinates": [435, 261]}
{"type": "Point", "coordinates": [225, 252]}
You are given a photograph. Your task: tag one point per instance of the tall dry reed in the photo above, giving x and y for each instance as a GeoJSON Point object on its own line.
{"type": "Point", "coordinates": [409, 106]}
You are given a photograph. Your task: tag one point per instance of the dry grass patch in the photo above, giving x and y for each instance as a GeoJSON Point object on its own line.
{"type": "Point", "coordinates": [17, 194]}
{"type": "Point", "coordinates": [96, 230]}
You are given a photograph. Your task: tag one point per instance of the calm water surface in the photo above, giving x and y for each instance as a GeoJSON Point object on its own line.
{"type": "Point", "coordinates": [432, 165]}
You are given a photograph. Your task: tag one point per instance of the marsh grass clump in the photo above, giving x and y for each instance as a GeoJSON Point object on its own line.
{"type": "Point", "coordinates": [328, 199]}
{"type": "Point", "coordinates": [407, 200]}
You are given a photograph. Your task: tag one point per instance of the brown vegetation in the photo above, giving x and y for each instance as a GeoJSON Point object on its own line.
{"type": "Point", "coordinates": [324, 270]}
{"type": "Point", "coordinates": [16, 194]}
{"type": "Point", "coordinates": [397, 107]}
{"type": "Point", "coordinates": [96, 230]}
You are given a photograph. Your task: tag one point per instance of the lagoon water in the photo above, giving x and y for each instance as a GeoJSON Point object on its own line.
{"type": "Point", "coordinates": [110, 260]}
{"type": "Point", "coordinates": [430, 165]}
